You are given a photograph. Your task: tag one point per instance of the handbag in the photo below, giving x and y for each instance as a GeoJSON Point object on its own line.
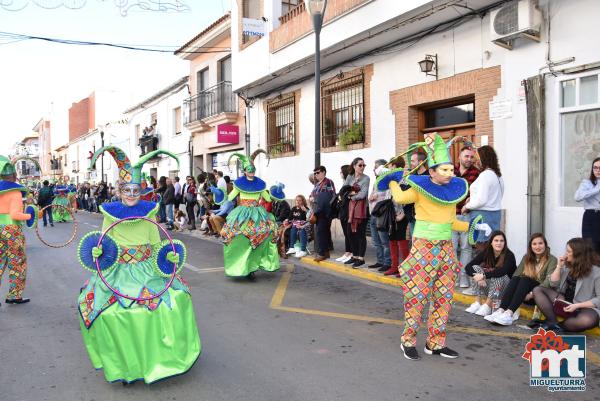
{"type": "Point", "coordinates": [558, 306]}
{"type": "Point", "coordinates": [189, 197]}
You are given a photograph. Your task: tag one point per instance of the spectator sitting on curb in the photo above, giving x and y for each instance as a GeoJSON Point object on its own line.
{"type": "Point", "coordinates": [298, 225]}
{"type": "Point", "coordinates": [531, 272]}
{"type": "Point", "coordinates": [491, 270]}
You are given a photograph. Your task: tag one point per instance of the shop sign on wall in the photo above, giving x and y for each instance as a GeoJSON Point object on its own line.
{"type": "Point", "coordinates": [227, 133]}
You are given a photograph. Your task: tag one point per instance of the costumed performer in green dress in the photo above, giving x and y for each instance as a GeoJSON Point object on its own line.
{"type": "Point", "coordinates": [60, 214]}
{"type": "Point", "coordinates": [430, 270]}
{"type": "Point", "coordinates": [135, 340]}
{"type": "Point", "coordinates": [250, 231]}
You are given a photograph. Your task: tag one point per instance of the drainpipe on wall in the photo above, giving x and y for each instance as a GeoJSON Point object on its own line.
{"type": "Point", "coordinates": [191, 155]}
{"type": "Point", "coordinates": [248, 102]}
{"type": "Point", "coordinates": [536, 127]}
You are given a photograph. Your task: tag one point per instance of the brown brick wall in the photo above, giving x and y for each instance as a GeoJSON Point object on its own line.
{"type": "Point", "coordinates": [301, 23]}
{"type": "Point", "coordinates": [79, 119]}
{"type": "Point", "coordinates": [368, 75]}
{"type": "Point", "coordinates": [405, 103]}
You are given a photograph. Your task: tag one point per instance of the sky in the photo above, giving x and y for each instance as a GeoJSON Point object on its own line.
{"type": "Point", "coordinates": [36, 76]}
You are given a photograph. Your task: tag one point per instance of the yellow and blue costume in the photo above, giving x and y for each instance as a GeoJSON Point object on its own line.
{"type": "Point", "coordinates": [429, 272]}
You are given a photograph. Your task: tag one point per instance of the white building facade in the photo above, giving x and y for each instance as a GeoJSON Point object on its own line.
{"type": "Point", "coordinates": [160, 116]}
{"type": "Point", "coordinates": [493, 86]}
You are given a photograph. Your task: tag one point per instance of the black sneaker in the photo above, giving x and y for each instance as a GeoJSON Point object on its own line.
{"type": "Point", "coordinates": [445, 352]}
{"type": "Point", "coordinates": [553, 327]}
{"type": "Point", "coordinates": [17, 300]}
{"type": "Point", "coordinates": [350, 261]}
{"type": "Point", "coordinates": [535, 324]}
{"type": "Point", "coordinates": [383, 269]}
{"type": "Point", "coordinates": [375, 265]}
{"type": "Point", "coordinates": [410, 353]}
{"type": "Point", "coordinates": [358, 262]}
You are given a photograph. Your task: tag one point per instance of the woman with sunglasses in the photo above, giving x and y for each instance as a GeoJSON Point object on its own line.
{"type": "Point", "coordinates": [357, 211]}
{"type": "Point", "coordinates": [589, 193]}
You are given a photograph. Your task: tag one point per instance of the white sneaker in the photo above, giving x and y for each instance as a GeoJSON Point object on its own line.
{"type": "Point", "coordinates": [344, 259]}
{"type": "Point", "coordinates": [490, 318]}
{"type": "Point", "coordinates": [341, 258]}
{"type": "Point", "coordinates": [484, 310]}
{"type": "Point", "coordinates": [504, 319]}
{"type": "Point", "coordinates": [291, 251]}
{"type": "Point", "coordinates": [300, 254]}
{"type": "Point", "coordinates": [474, 307]}
{"type": "Point", "coordinates": [469, 291]}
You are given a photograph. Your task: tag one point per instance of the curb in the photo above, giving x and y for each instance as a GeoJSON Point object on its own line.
{"type": "Point", "coordinates": [394, 282]}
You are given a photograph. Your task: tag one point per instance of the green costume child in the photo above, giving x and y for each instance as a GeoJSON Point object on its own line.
{"type": "Point", "coordinates": [250, 231]}
{"type": "Point", "coordinates": [61, 214]}
{"type": "Point", "coordinates": [135, 340]}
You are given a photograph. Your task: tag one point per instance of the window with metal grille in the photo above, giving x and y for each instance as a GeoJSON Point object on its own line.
{"type": "Point", "coordinates": [281, 126]}
{"type": "Point", "coordinates": [343, 112]}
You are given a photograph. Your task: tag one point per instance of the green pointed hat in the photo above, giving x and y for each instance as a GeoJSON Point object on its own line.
{"type": "Point", "coordinates": [6, 167]}
{"type": "Point", "coordinates": [248, 162]}
{"type": "Point", "coordinates": [437, 150]}
{"type": "Point", "coordinates": [129, 173]}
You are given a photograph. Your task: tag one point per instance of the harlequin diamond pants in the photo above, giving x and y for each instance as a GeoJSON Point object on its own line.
{"type": "Point", "coordinates": [428, 276]}
{"type": "Point", "coordinates": [13, 259]}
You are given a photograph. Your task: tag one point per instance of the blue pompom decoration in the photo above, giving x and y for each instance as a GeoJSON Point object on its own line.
{"type": "Point", "coordinates": [383, 181]}
{"type": "Point", "coordinates": [218, 195]}
{"type": "Point", "coordinates": [165, 268]}
{"type": "Point", "coordinates": [33, 211]}
{"type": "Point", "coordinates": [110, 251]}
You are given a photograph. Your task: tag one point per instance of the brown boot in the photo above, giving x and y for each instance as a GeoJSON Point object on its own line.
{"type": "Point", "coordinates": [320, 258]}
{"type": "Point", "coordinates": [391, 270]}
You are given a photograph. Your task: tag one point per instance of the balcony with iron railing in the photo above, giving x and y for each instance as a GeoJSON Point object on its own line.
{"type": "Point", "coordinates": [211, 107]}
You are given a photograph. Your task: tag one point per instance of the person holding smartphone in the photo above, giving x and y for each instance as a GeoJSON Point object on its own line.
{"type": "Point", "coordinates": [575, 286]}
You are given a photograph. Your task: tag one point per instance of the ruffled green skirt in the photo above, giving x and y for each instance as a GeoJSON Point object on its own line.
{"type": "Point", "coordinates": [132, 341]}
{"type": "Point", "coordinates": [59, 214]}
{"type": "Point", "coordinates": [249, 241]}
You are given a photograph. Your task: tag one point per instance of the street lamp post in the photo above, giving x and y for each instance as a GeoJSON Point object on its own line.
{"type": "Point", "coordinates": [316, 8]}
{"type": "Point", "coordinates": [102, 163]}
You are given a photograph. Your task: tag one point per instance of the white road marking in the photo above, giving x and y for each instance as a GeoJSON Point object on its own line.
{"type": "Point", "coordinates": [198, 270]}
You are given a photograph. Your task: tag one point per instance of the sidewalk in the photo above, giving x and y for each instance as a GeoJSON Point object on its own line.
{"type": "Point", "coordinates": [365, 273]}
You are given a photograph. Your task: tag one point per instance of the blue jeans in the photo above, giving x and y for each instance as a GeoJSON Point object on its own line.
{"type": "Point", "coordinates": [48, 211]}
{"type": "Point", "coordinates": [294, 234]}
{"type": "Point", "coordinates": [460, 243]}
{"type": "Point", "coordinates": [162, 214]}
{"type": "Point", "coordinates": [491, 217]}
{"type": "Point", "coordinates": [170, 216]}
{"type": "Point", "coordinates": [381, 241]}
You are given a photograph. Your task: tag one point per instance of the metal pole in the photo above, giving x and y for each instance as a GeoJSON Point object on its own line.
{"type": "Point", "coordinates": [317, 21]}
{"type": "Point", "coordinates": [102, 165]}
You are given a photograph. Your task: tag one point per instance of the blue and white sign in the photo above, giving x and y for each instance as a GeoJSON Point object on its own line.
{"type": "Point", "coordinates": [253, 27]}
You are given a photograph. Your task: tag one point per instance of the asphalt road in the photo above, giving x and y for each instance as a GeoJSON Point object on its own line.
{"type": "Point", "coordinates": [298, 334]}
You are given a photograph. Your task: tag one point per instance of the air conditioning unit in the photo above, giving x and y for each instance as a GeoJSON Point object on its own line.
{"type": "Point", "coordinates": [517, 19]}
